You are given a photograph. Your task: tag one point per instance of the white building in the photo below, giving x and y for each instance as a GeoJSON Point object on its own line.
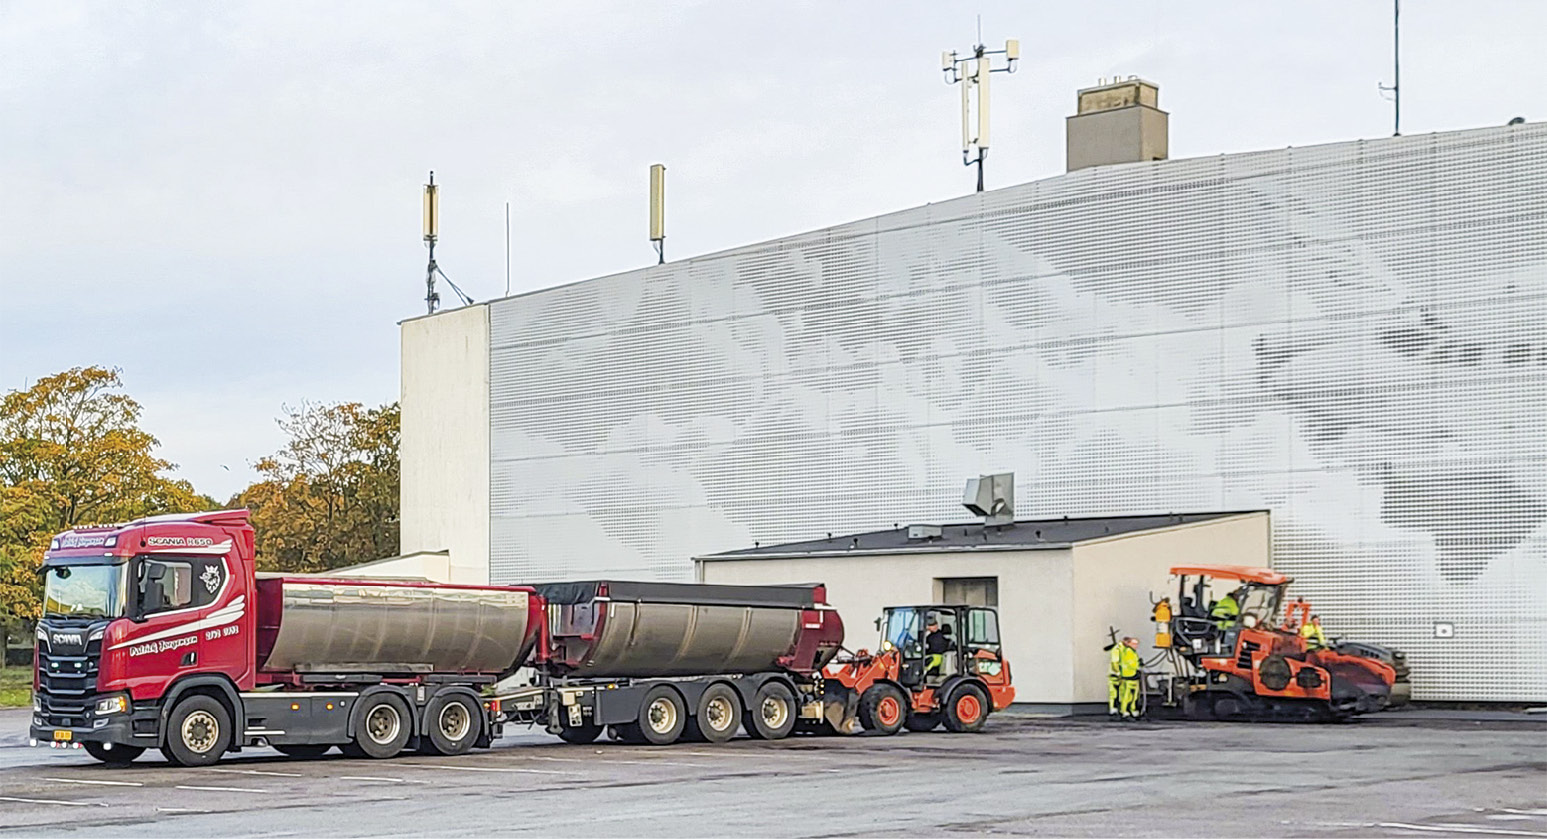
{"type": "Point", "coordinates": [1351, 336]}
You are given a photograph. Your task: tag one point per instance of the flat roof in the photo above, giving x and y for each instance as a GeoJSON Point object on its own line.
{"type": "Point", "coordinates": [1032, 534]}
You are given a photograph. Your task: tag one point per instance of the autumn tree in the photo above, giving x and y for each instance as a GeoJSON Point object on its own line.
{"type": "Point", "coordinates": [329, 497]}
{"type": "Point", "coordinates": [72, 453]}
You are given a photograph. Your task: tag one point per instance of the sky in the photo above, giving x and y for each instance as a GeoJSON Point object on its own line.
{"type": "Point", "coordinates": [223, 200]}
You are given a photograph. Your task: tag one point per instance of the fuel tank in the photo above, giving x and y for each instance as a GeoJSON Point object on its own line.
{"type": "Point", "coordinates": [343, 625]}
{"type": "Point", "coordinates": [622, 629]}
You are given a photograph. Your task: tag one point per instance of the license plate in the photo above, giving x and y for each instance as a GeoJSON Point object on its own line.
{"type": "Point", "coordinates": [61, 734]}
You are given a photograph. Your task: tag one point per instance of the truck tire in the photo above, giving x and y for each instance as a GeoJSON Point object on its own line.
{"type": "Point", "coordinates": [718, 715]}
{"type": "Point", "coordinates": [771, 716]}
{"type": "Point", "coordinates": [198, 732]}
{"type": "Point", "coordinates": [580, 734]}
{"type": "Point", "coordinates": [116, 755]}
{"type": "Point", "coordinates": [883, 708]}
{"type": "Point", "coordinates": [382, 729]}
{"type": "Point", "coordinates": [921, 722]}
{"type": "Point", "coordinates": [662, 716]}
{"type": "Point", "coordinates": [967, 709]}
{"type": "Point", "coordinates": [451, 725]}
{"type": "Point", "coordinates": [303, 751]}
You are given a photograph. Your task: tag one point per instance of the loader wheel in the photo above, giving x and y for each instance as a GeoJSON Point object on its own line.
{"type": "Point", "coordinates": [967, 709]}
{"type": "Point", "coordinates": [198, 732]}
{"type": "Point", "coordinates": [718, 716]}
{"type": "Point", "coordinates": [771, 716]}
{"type": "Point", "coordinates": [883, 708]}
{"type": "Point", "coordinates": [921, 722]}
{"type": "Point", "coordinates": [662, 717]}
{"type": "Point", "coordinates": [581, 734]}
{"type": "Point", "coordinates": [382, 729]}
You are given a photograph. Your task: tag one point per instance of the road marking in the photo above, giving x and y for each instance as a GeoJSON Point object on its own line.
{"type": "Point", "coordinates": [99, 783]}
{"type": "Point", "coordinates": [222, 789]}
{"type": "Point", "coordinates": [260, 772]}
{"type": "Point", "coordinates": [1461, 828]}
{"type": "Point", "coordinates": [179, 810]}
{"type": "Point", "coordinates": [52, 801]}
{"type": "Point", "coordinates": [606, 761]}
{"type": "Point", "coordinates": [1537, 812]}
{"type": "Point", "coordinates": [374, 778]}
{"type": "Point", "coordinates": [488, 769]}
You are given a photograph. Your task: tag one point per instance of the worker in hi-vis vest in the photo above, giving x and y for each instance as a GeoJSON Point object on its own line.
{"type": "Point", "coordinates": [1315, 638]}
{"type": "Point", "coordinates": [1123, 680]}
{"type": "Point", "coordinates": [1228, 608]}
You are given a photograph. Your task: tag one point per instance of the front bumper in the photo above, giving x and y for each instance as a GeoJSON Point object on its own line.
{"type": "Point", "coordinates": [140, 726]}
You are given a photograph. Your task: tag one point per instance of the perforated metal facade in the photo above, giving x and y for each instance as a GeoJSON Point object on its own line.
{"type": "Point", "coordinates": [1353, 336]}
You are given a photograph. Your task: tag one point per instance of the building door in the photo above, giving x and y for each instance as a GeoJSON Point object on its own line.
{"type": "Point", "coordinates": [969, 591]}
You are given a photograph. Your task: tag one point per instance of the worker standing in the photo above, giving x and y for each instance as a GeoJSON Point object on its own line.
{"type": "Point", "coordinates": [1123, 680]}
{"type": "Point", "coordinates": [1315, 638]}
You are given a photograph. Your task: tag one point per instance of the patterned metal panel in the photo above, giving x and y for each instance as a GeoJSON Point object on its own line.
{"type": "Point", "coordinates": [1353, 336]}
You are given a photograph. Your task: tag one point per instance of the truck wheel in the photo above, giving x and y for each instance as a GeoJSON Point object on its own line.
{"type": "Point", "coordinates": [581, 734]}
{"type": "Point", "coordinates": [303, 751]}
{"type": "Point", "coordinates": [967, 709]}
{"type": "Point", "coordinates": [116, 755]}
{"type": "Point", "coordinates": [921, 722]}
{"type": "Point", "coordinates": [382, 730]}
{"type": "Point", "coordinates": [772, 713]}
{"type": "Point", "coordinates": [452, 723]}
{"type": "Point", "coordinates": [883, 708]}
{"type": "Point", "coordinates": [661, 718]}
{"type": "Point", "coordinates": [198, 732]}
{"type": "Point", "coordinates": [719, 715]}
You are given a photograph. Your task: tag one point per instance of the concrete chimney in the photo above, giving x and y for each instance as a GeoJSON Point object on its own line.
{"type": "Point", "coordinates": [1116, 122]}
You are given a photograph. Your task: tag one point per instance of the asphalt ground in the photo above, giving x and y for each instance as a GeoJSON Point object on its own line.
{"type": "Point", "coordinates": [1395, 775]}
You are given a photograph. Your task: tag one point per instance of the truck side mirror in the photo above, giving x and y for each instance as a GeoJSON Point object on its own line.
{"type": "Point", "coordinates": [878, 624]}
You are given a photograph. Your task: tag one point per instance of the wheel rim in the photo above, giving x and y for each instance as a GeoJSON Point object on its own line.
{"type": "Point", "coordinates": [455, 721]}
{"type": "Point", "coordinates": [774, 712]}
{"type": "Point", "coordinates": [662, 715]}
{"type": "Point", "coordinates": [889, 710]}
{"type": "Point", "coordinates": [383, 723]}
{"type": "Point", "coordinates": [200, 731]}
{"type": "Point", "coordinates": [968, 708]}
{"type": "Point", "coordinates": [719, 713]}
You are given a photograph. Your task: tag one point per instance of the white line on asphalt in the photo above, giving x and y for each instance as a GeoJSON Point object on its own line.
{"type": "Point", "coordinates": [604, 760]}
{"type": "Point", "coordinates": [223, 789]}
{"type": "Point", "coordinates": [99, 783]}
{"type": "Point", "coordinates": [1461, 828]}
{"type": "Point", "coordinates": [179, 810]}
{"type": "Point", "coordinates": [52, 801]}
{"type": "Point", "coordinates": [488, 769]}
{"type": "Point", "coordinates": [260, 772]}
{"type": "Point", "coordinates": [374, 778]}
{"type": "Point", "coordinates": [1537, 812]}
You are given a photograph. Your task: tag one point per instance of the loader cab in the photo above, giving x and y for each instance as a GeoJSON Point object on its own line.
{"type": "Point", "coordinates": [1259, 593]}
{"type": "Point", "coordinates": [938, 642]}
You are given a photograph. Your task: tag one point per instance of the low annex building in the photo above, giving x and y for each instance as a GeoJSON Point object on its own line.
{"type": "Point", "coordinates": [1060, 584]}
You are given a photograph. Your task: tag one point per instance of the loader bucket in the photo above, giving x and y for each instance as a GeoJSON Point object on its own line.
{"type": "Point", "coordinates": [840, 707]}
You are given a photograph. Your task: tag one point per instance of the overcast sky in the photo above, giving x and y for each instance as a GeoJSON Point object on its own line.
{"type": "Point", "coordinates": [222, 199]}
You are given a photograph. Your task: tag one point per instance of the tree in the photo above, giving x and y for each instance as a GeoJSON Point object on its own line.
{"type": "Point", "coordinates": [329, 498]}
{"type": "Point", "coordinates": [72, 453]}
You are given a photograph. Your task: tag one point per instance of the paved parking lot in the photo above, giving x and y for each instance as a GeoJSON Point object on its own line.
{"type": "Point", "coordinates": [1023, 776]}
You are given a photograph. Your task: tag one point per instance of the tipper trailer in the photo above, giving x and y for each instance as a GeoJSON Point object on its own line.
{"type": "Point", "coordinates": [161, 634]}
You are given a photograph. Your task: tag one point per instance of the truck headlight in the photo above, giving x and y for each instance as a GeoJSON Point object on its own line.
{"type": "Point", "coordinates": [112, 705]}
{"type": "Point", "coordinates": [37, 704]}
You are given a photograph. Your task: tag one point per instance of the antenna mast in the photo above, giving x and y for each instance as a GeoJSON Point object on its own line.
{"type": "Point", "coordinates": [431, 233]}
{"type": "Point", "coordinates": [972, 71]}
{"type": "Point", "coordinates": [1395, 89]}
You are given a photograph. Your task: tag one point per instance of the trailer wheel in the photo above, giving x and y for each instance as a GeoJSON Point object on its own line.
{"type": "Point", "coordinates": [452, 725]}
{"type": "Point", "coordinates": [883, 708]}
{"type": "Point", "coordinates": [303, 751]}
{"type": "Point", "coordinates": [921, 722]}
{"type": "Point", "coordinates": [718, 717]}
{"type": "Point", "coordinates": [580, 734]}
{"type": "Point", "coordinates": [114, 754]}
{"type": "Point", "coordinates": [771, 716]}
{"type": "Point", "coordinates": [383, 727]}
{"type": "Point", "coordinates": [198, 732]}
{"type": "Point", "coordinates": [662, 717]}
{"type": "Point", "coordinates": [967, 709]}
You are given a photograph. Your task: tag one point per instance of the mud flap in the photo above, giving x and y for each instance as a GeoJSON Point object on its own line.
{"type": "Point", "coordinates": [840, 707]}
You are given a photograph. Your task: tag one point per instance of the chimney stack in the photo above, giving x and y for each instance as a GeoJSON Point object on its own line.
{"type": "Point", "coordinates": [1116, 122]}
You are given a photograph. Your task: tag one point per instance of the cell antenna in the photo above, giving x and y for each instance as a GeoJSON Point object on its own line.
{"type": "Point", "coordinates": [972, 72]}
{"type": "Point", "coordinates": [431, 233]}
{"type": "Point", "coordinates": [658, 211]}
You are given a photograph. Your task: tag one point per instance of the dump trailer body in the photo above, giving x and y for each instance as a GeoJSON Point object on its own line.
{"type": "Point", "coordinates": [341, 625]}
{"type": "Point", "coordinates": [635, 630]}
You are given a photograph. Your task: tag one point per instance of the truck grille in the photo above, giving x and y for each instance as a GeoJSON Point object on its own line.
{"type": "Point", "coordinates": [67, 684]}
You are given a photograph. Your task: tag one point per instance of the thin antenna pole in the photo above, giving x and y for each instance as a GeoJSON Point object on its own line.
{"type": "Point", "coordinates": [1396, 60]}
{"type": "Point", "coordinates": [507, 248]}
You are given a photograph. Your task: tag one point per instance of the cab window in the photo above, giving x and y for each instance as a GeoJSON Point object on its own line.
{"type": "Point", "coordinates": [983, 629]}
{"type": "Point", "coordinates": [167, 584]}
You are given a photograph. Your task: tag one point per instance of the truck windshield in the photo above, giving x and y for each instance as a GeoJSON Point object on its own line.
{"type": "Point", "coordinates": [84, 591]}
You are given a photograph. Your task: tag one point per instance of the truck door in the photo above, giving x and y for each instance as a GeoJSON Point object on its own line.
{"type": "Point", "coordinates": [165, 641]}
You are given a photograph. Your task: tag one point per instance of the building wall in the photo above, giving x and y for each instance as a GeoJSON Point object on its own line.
{"type": "Point", "coordinates": [1115, 579]}
{"type": "Point", "coordinates": [444, 448]}
{"type": "Point", "coordinates": [1353, 336]}
{"type": "Point", "coordinates": [1036, 601]}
